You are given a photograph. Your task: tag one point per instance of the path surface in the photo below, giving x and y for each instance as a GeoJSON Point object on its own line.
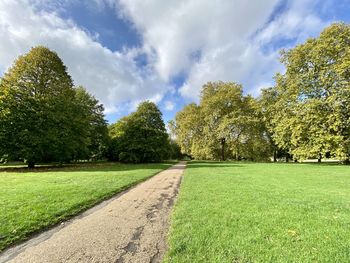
{"type": "Point", "coordinates": [131, 227]}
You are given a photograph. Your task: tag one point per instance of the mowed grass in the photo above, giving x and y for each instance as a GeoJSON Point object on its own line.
{"type": "Point", "coordinates": [32, 201]}
{"type": "Point", "coordinates": [246, 212]}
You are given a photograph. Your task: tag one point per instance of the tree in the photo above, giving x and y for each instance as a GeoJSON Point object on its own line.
{"type": "Point", "coordinates": [37, 121]}
{"type": "Point", "coordinates": [222, 109]}
{"type": "Point", "coordinates": [314, 96]}
{"type": "Point", "coordinates": [93, 139]}
{"type": "Point", "coordinates": [225, 124]}
{"type": "Point", "coordinates": [254, 141]}
{"type": "Point", "coordinates": [269, 111]}
{"type": "Point", "coordinates": [174, 151]}
{"type": "Point", "coordinates": [188, 131]}
{"type": "Point", "coordinates": [141, 136]}
{"type": "Point", "coordinates": [216, 106]}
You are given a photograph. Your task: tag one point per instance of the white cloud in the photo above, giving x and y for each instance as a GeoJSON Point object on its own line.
{"type": "Point", "coordinates": [208, 39]}
{"type": "Point", "coordinates": [218, 40]}
{"type": "Point", "coordinates": [177, 29]}
{"type": "Point", "coordinates": [298, 22]}
{"type": "Point", "coordinates": [251, 67]}
{"type": "Point", "coordinates": [113, 77]}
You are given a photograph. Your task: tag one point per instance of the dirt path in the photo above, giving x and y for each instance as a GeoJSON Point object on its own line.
{"type": "Point", "coordinates": [129, 228]}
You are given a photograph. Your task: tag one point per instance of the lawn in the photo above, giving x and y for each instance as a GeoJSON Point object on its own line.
{"type": "Point", "coordinates": [246, 212]}
{"type": "Point", "coordinates": [32, 201]}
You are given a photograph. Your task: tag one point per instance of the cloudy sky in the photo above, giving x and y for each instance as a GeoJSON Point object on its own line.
{"type": "Point", "coordinates": [127, 51]}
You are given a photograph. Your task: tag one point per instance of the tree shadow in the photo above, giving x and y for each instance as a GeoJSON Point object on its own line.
{"type": "Point", "coordinates": [221, 164]}
{"type": "Point", "coordinates": [211, 164]}
{"type": "Point", "coordinates": [324, 164]}
{"type": "Point", "coordinates": [87, 167]}
{"type": "Point", "coordinates": [328, 163]}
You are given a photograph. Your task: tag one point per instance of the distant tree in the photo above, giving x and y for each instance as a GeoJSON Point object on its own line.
{"type": "Point", "coordinates": [116, 133]}
{"type": "Point", "coordinates": [141, 136]}
{"type": "Point", "coordinates": [174, 151]}
{"type": "Point", "coordinates": [221, 105]}
{"type": "Point", "coordinates": [269, 110]}
{"type": "Point", "coordinates": [224, 125]}
{"type": "Point", "coordinates": [188, 130]}
{"type": "Point", "coordinates": [42, 117]}
{"type": "Point", "coordinates": [313, 106]}
{"type": "Point", "coordinates": [254, 142]}
{"type": "Point", "coordinates": [93, 140]}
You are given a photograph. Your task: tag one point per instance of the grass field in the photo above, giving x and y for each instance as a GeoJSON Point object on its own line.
{"type": "Point", "coordinates": [245, 212]}
{"type": "Point", "coordinates": [32, 201]}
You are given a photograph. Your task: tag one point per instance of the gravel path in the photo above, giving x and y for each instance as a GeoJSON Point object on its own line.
{"type": "Point", "coordinates": [131, 227]}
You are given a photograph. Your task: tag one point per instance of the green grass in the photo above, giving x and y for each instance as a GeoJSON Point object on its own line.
{"type": "Point", "coordinates": [33, 201]}
{"type": "Point", "coordinates": [245, 212]}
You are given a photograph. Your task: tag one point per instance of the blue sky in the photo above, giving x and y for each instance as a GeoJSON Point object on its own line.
{"type": "Point", "coordinates": [127, 51]}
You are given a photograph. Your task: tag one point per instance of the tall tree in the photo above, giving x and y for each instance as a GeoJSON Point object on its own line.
{"type": "Point", "coordinates": [37, 109]}
{"type": "Point", "coordinates": [254, 142]}
{"type": "Point", "coordinates": [314, 95]}
{"type": "Point", "coordinates": [222, 109]}
{"type": "Point", "coordinates": [224, 125]}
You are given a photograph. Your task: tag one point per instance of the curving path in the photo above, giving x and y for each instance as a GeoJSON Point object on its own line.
{"type": "Point", "coordinates": [131, 227]}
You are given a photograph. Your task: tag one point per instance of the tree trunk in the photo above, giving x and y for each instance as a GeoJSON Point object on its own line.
{"type": "Point", "coordinates": [31, 164]}
{"type": "Point", "coordinates": [274, 156]}
{"type": "Point", "coordinates": [223, 149]}
{"type": "Point", "coordinates": [319, 158]}
{"type": "Point", "coordinates": [287, 158]}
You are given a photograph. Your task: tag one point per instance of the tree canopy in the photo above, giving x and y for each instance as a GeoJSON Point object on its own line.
{"type": "Point", "coordinates": [312, 99]}
{"type": "Point", "coordinates": [224, 124]}
{"type": "Point", "coordinates": [140, 136]}
{"type": "Point", "coordinates": [93, 126]}
{"type": "Point", "coordinates": [42, 117]}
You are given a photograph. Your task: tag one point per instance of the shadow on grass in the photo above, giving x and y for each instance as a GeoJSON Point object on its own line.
{"type": "Point", "coordinates": [212, 164]}
{"type": "Point", "coordinates": [324, 164]}
{"type": "Point", "coordinates": [310, 163]}
{"type": "Point", "coordinates": [115, 166]}
{"type": "Point", "coordinates": [220, 164]}
{"type": "Point", "coordinates": [88, 167]}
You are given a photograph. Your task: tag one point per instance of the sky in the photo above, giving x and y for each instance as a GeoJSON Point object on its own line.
{"type": "Point", "coordinates": [127, 51]}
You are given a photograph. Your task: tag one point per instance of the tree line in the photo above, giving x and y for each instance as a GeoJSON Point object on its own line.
{"type": "Point", "coordinates": [45, 118]}
{"type": "Point", "coordinates": [305, 115]}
